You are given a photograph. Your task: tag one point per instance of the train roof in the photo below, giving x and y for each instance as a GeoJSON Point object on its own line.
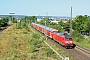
{"type": "Point", "coordinates": [51, 29]}
{"type": "Point", "coordinates": [62, 34]}
{"type": "Point", "coordinates": [45, 27]}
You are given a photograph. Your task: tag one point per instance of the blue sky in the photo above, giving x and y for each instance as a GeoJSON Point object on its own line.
{"type": "Point", "coordinates": [41, 7]}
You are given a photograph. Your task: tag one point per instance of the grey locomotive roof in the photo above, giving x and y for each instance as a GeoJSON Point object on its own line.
{"type": "Point", "coordinates": [58, 33]}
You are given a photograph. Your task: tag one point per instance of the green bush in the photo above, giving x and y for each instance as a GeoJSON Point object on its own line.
{"type": "Point", "coordinates": [32, 48]}
{"type": "Point", "coordinates": [35, 42]}
{"type": "Point", "coordinates": [25, 32]}
{"type": "Point", "coordinates": [49, 51]}
{"type": "Point", "coordinates": [4, 22]}
{"type": "Point", "coordinates": [77, 36]}
{"type": "Point", "coordinates": [88, 42]}
{"type": "Point", "coordinates": [18, 26]}
{"type": "Point", "coordinates": [23, 24]}
{"type": "Point", "coordinates": [34, 35]}
{"type": "Point", "coordinates": [27, 28]}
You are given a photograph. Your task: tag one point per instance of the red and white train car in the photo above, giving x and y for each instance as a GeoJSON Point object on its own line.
{"type": "Point", "coordinates": [63, 38]}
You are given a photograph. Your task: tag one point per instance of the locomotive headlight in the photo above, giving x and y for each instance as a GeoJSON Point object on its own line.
{"type": "Point", "coordinates": [70, 41]}
{"type": "Point", "coordinates": [66, 42]}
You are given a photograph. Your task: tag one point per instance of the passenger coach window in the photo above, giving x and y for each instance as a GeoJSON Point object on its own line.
{"type": "Point", "coordinates": [68, 38]}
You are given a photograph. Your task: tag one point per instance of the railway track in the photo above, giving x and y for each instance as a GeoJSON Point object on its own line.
{"type": "Point", "coordinates": [3, 28]}
{"type": "Point", "coordinates": [78, 53]}
{"type": "Point", "coordinates": [83, 50]}
{"type": "Point", "coordinates": [3, 31]}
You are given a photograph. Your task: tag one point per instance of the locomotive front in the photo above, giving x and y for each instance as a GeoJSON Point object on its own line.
{"type": "Point", "coordinates": [69, 42]}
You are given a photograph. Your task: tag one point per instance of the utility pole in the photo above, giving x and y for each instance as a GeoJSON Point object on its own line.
{"type": "Point", "coordinates": [71, 22]}
{"type": "Point", "coordinates": [47, 15]}
{"type": "Point", "coordinates": [39, 16]}
{"type": "Point", "coordinates": [45, 30]}
{"type": "Point", "coordinates": [35, 20]}
{"type": "Point", "coordinates": [12, 14]}
{"type": "Point", "coordinates": [12, 31]}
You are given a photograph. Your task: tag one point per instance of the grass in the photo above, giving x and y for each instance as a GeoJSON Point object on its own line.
{"type": "Point", "coordinates": [85, 43]}
{"type": "Point", "coordinates": [80, 40]}
{"type": "Point", "coordinates": [55, 47]}
{"type": "Point", "coordinates": [41, 50]}
{"type": "Point", "coordinates": [63, 53]}
{"type": "Point", "coordinates": [16, 44]}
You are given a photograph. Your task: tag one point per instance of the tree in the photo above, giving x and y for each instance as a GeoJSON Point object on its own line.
{"type": "Point", "coordinates": [4, 22]}
{"type": "Point", "coordinates": [79, 22]}
{"type": "Point", "coordinates": [34, 19]}
{"type": "Point", "coordinates": [61, 23]}
{"type": "Point", "coordinates": [87, 26]}
{"type": "Point", "coordinates": [42, 22]}
{"type": "Point", "coordinates": [66, 26]}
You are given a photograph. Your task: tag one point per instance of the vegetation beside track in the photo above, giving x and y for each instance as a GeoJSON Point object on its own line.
{"type": "Point", "coordinates": [14, 44]}
{"type": "Point", "coordinates": [80, 40]}
{"type": "Point", "coordinates": [80, 28]}
{"type": "Point", "coordinates": [21, 42]}
{"type": "Point", "coordinates": [24, 44]}
{"type": "Point", "coordinates": [4, 22]}
{"type": "Point", "coordinates": [53, 45]}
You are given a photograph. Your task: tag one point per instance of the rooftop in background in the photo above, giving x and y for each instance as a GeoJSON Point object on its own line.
{"type": "Point", "coordinates": [62, 17]}
{"type": "Point", "coordinates": [16, 16]}
{"type": "Point", "coordinates": [40, 17]}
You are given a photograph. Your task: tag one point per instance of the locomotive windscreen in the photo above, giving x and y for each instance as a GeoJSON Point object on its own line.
{"type": "Point", "coordinates": [68, 38]}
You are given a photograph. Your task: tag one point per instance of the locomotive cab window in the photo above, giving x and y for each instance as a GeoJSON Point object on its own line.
{"type": "Point", "coordinates": [68, 38]}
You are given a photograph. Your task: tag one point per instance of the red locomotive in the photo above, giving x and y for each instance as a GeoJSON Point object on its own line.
{"type": "Point", "coordinates": [63, 38]}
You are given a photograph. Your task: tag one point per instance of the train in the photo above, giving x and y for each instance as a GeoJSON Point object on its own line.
{"type": "Point", "coordinates": [63, 38]}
